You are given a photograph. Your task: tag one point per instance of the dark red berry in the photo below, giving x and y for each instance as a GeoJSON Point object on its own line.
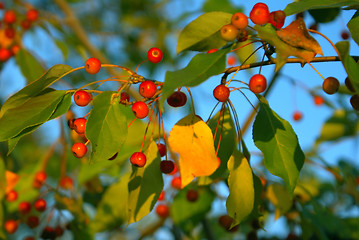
{"type": "Point", "coordinates": [167, 166]}
{"type": "Point", "coordinates": [192, 195]}
{"type": "Point", "coordinates": [177, 99]}
{"type": "Point", "coordinates": [330, 85]}
{"type": "Point", "coordinates": [162, 149]}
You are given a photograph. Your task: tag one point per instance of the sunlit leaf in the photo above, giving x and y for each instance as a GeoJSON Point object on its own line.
{"type": "Point", "coordinates": [279, 144]}
{"type": "Point", "coordinates": [353, 26]}
{"type": "Point", "coordinates": [30, 67]}
{"type": "Point", "coordinates": [145, 186]}
{"type": "Point", "coordinates": [280, 198]}
{"type": "Point", "coordinates": [192, 139]}
{"type": "Point", "coordinates": [240, 201]}
{"type": "Point", "coordinates": [202, 34]}
{"type": "Point", "coordinates": [106, 127]}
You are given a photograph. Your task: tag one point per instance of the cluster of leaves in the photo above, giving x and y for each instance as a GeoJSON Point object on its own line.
{"type": "Point", "coordinates": [131, 193]}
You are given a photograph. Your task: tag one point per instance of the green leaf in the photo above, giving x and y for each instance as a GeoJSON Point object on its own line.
{"type": "Point", "coordinates": [240, 201]}
{"type": "Point", "coordinates": [2, 179]}
{"type": "Point", "coordinates": [199, 69]}
{"type": "Point", "coordinates": [223, 6]}
{"type": "Point", "coordinates": [36, 87]}
{"type": "Point", "coordinates": [63, 48]}
{"type": "Point", "coordinates": [353, 26]}
{"type": "Point", "coordinates": [279, 144]}
{"type": "Point", "coordinates": [324, 15]}
{"type": "Point", "coordinates": [202, 34]}
{"type": "Point", "coordinates": [349, 63]}
{"type": "Point", "coordinates": [106, 127]}
{"type": "Point", "coordinates": [111, 211]}
{"type": "Point", "coordinates": [145, 186]}
{"type": "Point", "coordinates": [279, 196]}
{"type": "Point", "coordinates": [303, 5]}
{"type": "Point", "coordinates": [30, 68]}
{"type": "Point", "coordinates": [187, 215]}
{"type": "Point", "coordinates": [35, 111]}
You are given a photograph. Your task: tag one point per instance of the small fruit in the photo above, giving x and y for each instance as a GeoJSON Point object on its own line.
{"type": "Point", "coordinates": [175, 170]}
{"type": "Point", "coordinates": [212, 50]}
{"type": "Point", "coordinates": [24, 207]}
{"type": "Point", "coordinates": [297, 116]}
{"type": "Point", "coordinates": [92, 65]}
{"type": "Point", "coordinates": [140, 109]}
{"type": "Point", "coordinates": [192, 195]}
{"type": "Point", "coordinates": [258, 83]}
{"type": "Point", "coordinates": [162, 196]}
{"type": "Point", "coordinates": [40, 178]}
{"type": "Point", "coordinates": [345, 34]}
{"type": "Point", "coordinates": [154, 55]}
{"type": "Point", "coordinates": [147, 89]}
{"type": "Point", "coordinates": [5, 54]}
{"type": "Point", "coordinates": [79, 149]}
{"type": "Point", "coordinates": [10, 226]}
{"type": "Point", "coordinates": [349, 84]}
{"type": "Point", "coordinates": [239, 20]}
{"type": "Point", "coordinates": [66, 182]}
{"type": "Point", "coordinates": [125, 97]}
{"type": "Point", "coordinates": [9, 17]}
{"type": "Point", "coordinates": [167, 166]}
{"type": "Point", "coordinates": [176, 183]}
{"type": "Point", "coordinates": [33, 221]}
{"type": "Point", "coordinates": [242, 35]}
{"type": "Point", "coordinates": [10, 32]}
{"type": "Point", "coordinates": [354, 101]}
{"type": "Point", "coordinates": [80, 125]}
{"type": "Point", "coordinates": [162, 149]}
{"type": "Point", "coordinates": [138, 159]}
{"type": "Point", "coordinates": [59, 231]}
{"type": "Point", "coordinates": [15, 49]}
{"type": "Point", "coordinates": [259, 14]}
{"type": "Point", "coordinates": [221, 93]}
{"type": "Point", "coordinates": [48, 233]}
{"type": "Point", "coordinates": [40, 205]}
{"type": "Point", "coordinates": [32, 15]}
{"type": "Point", "coordinates": [29, 238]}
{"type": "Point", "coordinates": [318, 100]}
{"type": "Point", "coordinates": [226, 222]}
{"type": "Point", "coordinates": [231, 60]}
{"type": "Point", "coordinates": [162, 210]}
{"type": "Point", "coordinates": [25, 24]}
{"type": "Point", "coordinates": [229, 32]}
{"type": "Point", "coordinates": [277, 18]}
{"type": "Point", "coordinates": [82, 98]}
{"type": "Point", "coordinates": [330, 85]}
{"type": "Point", "coordinates": [177, 99]}
{"type": "Point", "coordinates": [11, 196]}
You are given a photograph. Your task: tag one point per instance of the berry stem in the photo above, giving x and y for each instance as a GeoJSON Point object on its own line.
{"type": "Point", "coordinates": [140, 64]}
{"type": "Point", "coordinates": [131, 122]}
{"type": "Point", "coordinates": [190, 94]}
{"type": "Point", "coordinates": [316, 70]}
{"type": "Point", "coordinates": [148, 124]}
{"type": "Point", "coordinates": [129, 71]}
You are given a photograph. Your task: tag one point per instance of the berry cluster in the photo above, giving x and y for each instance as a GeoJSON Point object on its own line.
{"type": "Point", "coordinates": [12, 27]}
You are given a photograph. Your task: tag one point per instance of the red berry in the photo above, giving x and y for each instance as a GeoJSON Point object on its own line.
{"type": "Point", "coordinates": [9, 17]}
{"type": "Point", "coordinates": [221, 93]}
{"type": "Point", "coordinates": [259, 14]}
{"type": "Point", "coordinates": [82, 98]}
{"type": "Point", "coordinates": [226, 222]}
{"type": "Point", "coordinates": [138, 159]}
{"type": "Point", "coordinates": [48, 233]}
{"type": "Point", "coordinates": [277, 18]}
{"type": "Point", "coordinates": [297, 116]}
{"type": "Point", "coordinates": [354, 101]}
{"type": "Point", "coordinates": [10, 226]}
{"type": "Point", "coordinates": [162, 210]}
{"type": "Point", "coordinates": [40, 178]}
{"type": "Point", "coordinates": [140, 109]}
{"type": "Point", "coordinates": [33, 221]}
{"type": "Point", "coordinates": [192, 195]}
{"type": "Point", "coordinates": [40, 205]}
{"type": "Point", "coordinates": [125, 97]}
{"type": "Point", "coordinates": [231, 60]}
{"type": "Point", "coordinates": [162, 149]}
{"type": "Point", "coordinates": [162, 196]}
{"type": "Point", "coordinates": [177, 99]}
{"type": "Point", "coordinates": [330, 85]}
{"type": "Point", "coordinates": [24, 207]}
{"type": "Point", "coordinates": [5, 54]}
{"type": "Point", "coordinates": [29, 238]}
{"type": "Point", "coordinates": [59, 231]}
{"type": "Point", "coordinates": [212, 50]}
{"type": "Point", "coordinates": [11, 196]}
{"type": "Point", "coordinates": [229, 32]}
{"type": "Point", "coordinates": [2, 5]}
{"type": "Point", "coordinates": [25, 24]}
{"type": "Point", "coordinates": [147, 89]}
{"type": "Point", "coordinates": [167, 166]}
{"type": "Point", "coordinates": [345, 35]}
{"type": "Point", "coordinates": [318, 100]}
{"type": "Point", "coordinates": [175, 170]}
{"type": "Point", "coordinates": [15, 49]}
{"type": "Point", "coordinates": [154, 55]}
{"type": "Point", "coordinates": [10, 32]}
{"type": "Point", "coordinates": [32, 15]}
{"type": "Point", "coordinates": [176, 183]}
{"type": "Point", "coordinates": [258, 83]}
{"type": "Point", "coordinates": [66, 182]}
{"type": "Point", "coordinates": [80, 125]}
{"type": "Point", "coordinates": [92, 65]}
{"type": "Point", "coordinates": [239, 20]}
{"type": "Point", "coordinates": [79, 149]}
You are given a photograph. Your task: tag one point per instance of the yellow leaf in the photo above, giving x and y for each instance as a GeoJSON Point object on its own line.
{"type": "Point", "coordinates": [11, 180]}
{"type": "Point", "coordinates": [280, 198]}
{"type": "Point", "coordinates": [192, 139]}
